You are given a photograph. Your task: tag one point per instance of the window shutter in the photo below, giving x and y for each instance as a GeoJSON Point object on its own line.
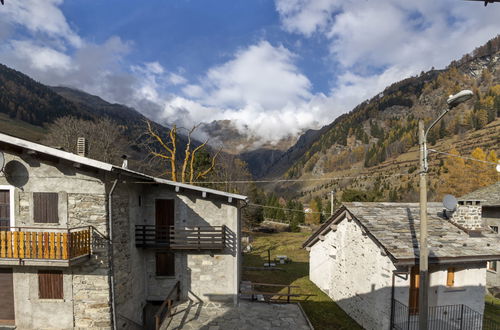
{"type": "Point", "coordinates": [45, 207]}
{"type": "Point", "coordinates": [165, 264]}
{"type": "Point", "coordinates": [50, 284]}
{"type": "Point", "coordinates": [450, 279]}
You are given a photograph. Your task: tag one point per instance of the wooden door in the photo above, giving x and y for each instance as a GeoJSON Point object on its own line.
{"type": "Point", "coordinates": [4, 209]}
{"type": "Point", "coordinates": [164, 218]}
{"type": "Point", "coordinates": [7, 316]}
{"type": "Point", "coordinates": [414, 288]}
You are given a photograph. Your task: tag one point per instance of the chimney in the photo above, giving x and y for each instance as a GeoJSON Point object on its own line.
{"type": "Point", "coordinates": [467, 215]}
{"type": "Point", "coordinates": [82, 147]}
{"type": "Point", "coordinates": [125, 161]}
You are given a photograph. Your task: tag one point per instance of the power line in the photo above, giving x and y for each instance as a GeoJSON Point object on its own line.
{"type": "Point", "coordinates": [464, 157]}
{"type": "Point", "coordinates": [284, 209]}
{"type": "Point", "coordinates": [304, 180]}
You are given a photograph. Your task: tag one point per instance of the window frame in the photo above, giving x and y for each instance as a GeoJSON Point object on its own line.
{"type": "Point", "coordinates": [54, 281]}
{"type": "Point", "coordinates": [37, 218]}
{"type": "Point", "coordinates": [170, 271]}
{"type": "Point", "coordinates": [492, 266]}
{"type": "Point", "coordinates": [450, 277]}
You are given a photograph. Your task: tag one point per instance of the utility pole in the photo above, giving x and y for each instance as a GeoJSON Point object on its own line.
{"type": "Point", "coordinates": [423, 300]}
{"type": "Point", "coordinates": [331, 202]}
{"type": "Point", "coordinates": [424, 253]}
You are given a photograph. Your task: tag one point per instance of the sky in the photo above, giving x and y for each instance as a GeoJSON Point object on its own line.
{"type": "Point", "coordinates": [273, 67]}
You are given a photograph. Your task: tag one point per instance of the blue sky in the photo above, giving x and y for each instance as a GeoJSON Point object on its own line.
{"type": "Point", "coordinates": [272, 67]}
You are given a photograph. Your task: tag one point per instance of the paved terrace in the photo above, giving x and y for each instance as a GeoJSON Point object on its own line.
{"type": "Point", "coordinates": [248, 315]}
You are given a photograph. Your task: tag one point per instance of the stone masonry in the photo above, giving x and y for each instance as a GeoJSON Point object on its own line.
{"type": "Point", "coordinates": [468, 215]}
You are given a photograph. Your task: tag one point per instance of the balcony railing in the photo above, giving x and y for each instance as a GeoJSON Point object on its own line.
{"type": "Point", "coordinates": [440, 317]}
{"type": "Point", "coordinates": [37, 243]}
{"type": "Point", "coordinates": [188, 238]}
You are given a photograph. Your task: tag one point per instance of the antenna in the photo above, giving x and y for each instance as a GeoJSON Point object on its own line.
{"type": "Point", "coordinates": [2, 161]}
{"type": "Point", "coordinates": [450, 203]}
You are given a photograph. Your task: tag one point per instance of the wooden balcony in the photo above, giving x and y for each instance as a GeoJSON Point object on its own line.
{"type": "Point", "coordinates": [33, 246]}
{"type": "Point", "coordinates": [202, 238]}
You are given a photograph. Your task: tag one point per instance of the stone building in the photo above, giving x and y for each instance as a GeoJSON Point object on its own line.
{"type": "Point", "coordinates": [85, 244]}
{"type": "Point", "coordinates": [489, 198]}
{"type": "Point", "coordinates": [365, 257]}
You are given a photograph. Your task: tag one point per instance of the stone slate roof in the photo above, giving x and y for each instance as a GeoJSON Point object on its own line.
{"type": "Point", "coordinates": [396, 228]}
{"type": "Point", "coordinates": [489, 196]}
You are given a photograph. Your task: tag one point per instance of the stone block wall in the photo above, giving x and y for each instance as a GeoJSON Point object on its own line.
{"type": "Point", "coordinates": [468, 215]}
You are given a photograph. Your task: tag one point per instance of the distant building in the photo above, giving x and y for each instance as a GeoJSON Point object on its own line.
{"type": "Point", "coordinates": [489, 198]}
{"type": "Point", "coordinates": [365, 257]}
{"type": "Point", "coordinates": [85, 244]}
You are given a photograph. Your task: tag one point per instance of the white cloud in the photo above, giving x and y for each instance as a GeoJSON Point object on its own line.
{"type": "Point", "coordinates": [377, 43]}
{"type": "Point", "coordinates": [41, 17]}
{"type": "Point", "coordinates": [41, 58]}
{"type": "Point", "coordinates": [258, 75]}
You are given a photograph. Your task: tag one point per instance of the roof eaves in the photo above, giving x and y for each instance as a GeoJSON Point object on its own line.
{"type": "Point", "coordinates": [313, 238]}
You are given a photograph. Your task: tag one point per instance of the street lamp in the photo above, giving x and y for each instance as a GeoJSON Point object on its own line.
{"type": "Point", "coordinates": [452, 102]}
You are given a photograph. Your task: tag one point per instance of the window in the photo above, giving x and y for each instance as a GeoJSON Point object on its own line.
{"type": "Point", "coordinates": [50, 284]}
{"type": "Point", "coordinates": [450, 277]}
{"type": "Point", "coordinates": [45, 207]}
{"type": "Point", "coordinates": [494, 228]}
{"type": "Point", "coordinates": [492, 265]}
{"type": "Point", "coordinates": [165, 264]}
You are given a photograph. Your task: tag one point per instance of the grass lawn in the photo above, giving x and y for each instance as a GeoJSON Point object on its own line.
{"type": "Point", "coordinates": [321, 310]}
{"type": "Point", "coordinates": [492, 309]}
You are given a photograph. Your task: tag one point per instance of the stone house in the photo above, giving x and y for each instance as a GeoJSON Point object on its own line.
{"type": "Point", "coordinates": [365, 257]}
{"type": "Point", "coordinates": [489, 198]}
{"type": "Point", "coordinates": [86, 244]}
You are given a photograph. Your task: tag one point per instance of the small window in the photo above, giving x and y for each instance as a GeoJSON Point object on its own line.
{"type": "Point", "coordinates": [50, 284]}
{"type": "Point", "coordinates": [450, 278]}
{"type": "Point", "coordinates": [492, 265]}
{"type": "Point", "coordinates": [165, 264]}
{"type": "Point", "coordinates": [45, 207]}
{"type": "Point", "coordinates": [494, 228]}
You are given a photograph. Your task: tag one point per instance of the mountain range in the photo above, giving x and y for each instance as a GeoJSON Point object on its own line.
{"type": "Point", "coordinates": [377, 136]}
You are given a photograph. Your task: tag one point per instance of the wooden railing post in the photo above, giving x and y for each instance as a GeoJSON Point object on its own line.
{"type": "Point", "coordinates": [289, 292]}
{"type": "Point", "coordinates": [199, 237]}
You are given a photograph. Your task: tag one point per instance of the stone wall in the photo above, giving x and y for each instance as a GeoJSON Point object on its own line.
{"type": "Point", "coordinates": [82, 202]}
{"type": "Point", "coordinates": [468, 215]}
{"type": "Point", "coordinates": [208, 276]}
{"type": "Point", "coordinates": [356, 273]}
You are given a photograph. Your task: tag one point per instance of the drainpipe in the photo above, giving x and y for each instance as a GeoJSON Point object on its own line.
{"type": "Point", "coordinates": [110, 252]}
{"type": "Point", "coordinates": [238, 252]}
{"type": "Point", "coordinates": [392, 300]}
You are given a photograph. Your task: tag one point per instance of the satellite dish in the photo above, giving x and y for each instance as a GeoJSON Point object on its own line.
{"type": "Point", "coordinates": [450, 203]}
{"type": "Point", "coordinates": [2, 161]}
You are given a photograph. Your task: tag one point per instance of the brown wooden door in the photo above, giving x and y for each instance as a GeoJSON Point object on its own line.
{"type": "Point", "coordinates": [7, 316]}
{"type": "Point", "coordinates": [164, 218]}
{"type": "Point", "coordinates": [414, 287]}
{"type": "Point", "coordinates": [4, 209]}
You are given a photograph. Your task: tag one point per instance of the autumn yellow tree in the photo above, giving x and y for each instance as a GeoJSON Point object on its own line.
{"type": "Point", "coordinates": [189, 169]}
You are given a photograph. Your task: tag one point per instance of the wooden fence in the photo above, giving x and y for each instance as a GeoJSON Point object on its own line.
{"type": "Point", "coordinates": [32, 243]}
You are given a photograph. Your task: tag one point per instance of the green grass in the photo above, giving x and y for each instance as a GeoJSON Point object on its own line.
{"type": "Point", "coordinates": [20, 128]}
{"type": "Point", "coordinates": [492, 309]}
{"type": "Point", "coordinates": [321, 310]}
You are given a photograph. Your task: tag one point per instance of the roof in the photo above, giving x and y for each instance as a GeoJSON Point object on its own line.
{"type": "Point", "coordinates": [68, 156]}
{"type": "Point", "coordinates": [489, 196]}
{"type": "Point", "coordinates": [396, 228]}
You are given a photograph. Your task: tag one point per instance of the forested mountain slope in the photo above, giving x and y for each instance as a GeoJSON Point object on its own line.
{"type": "Point", "coordinates": [383, 130]}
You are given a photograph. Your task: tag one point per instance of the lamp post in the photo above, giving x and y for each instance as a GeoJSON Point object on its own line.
{"type": "Point", "coordinates": [452, 102]}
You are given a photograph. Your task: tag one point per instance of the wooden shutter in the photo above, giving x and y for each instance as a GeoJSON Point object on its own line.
{"type": "Point", "coordinates": [50, 284]}
{"type": "Point", "coordinates": [450, 278]}
{"type": "Point", "coordinates": [165, 264]}
{"type": "Point", "coordinates": [4, 209]}
{"type": "Point", "coordinates": [46, 207]}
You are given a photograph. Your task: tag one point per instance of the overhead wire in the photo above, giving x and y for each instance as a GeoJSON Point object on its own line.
{"type": "Point", "coordinates": [464, 157]}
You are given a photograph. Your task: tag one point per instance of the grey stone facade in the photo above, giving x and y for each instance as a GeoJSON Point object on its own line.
{"type": "Point", "coordinates": [83, 201]}
{"type": "Point", "coordinates": [468, 215]}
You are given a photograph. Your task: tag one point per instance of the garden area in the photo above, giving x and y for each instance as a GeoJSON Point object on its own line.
{"type": "Point", "coordinates": [320, 309]}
